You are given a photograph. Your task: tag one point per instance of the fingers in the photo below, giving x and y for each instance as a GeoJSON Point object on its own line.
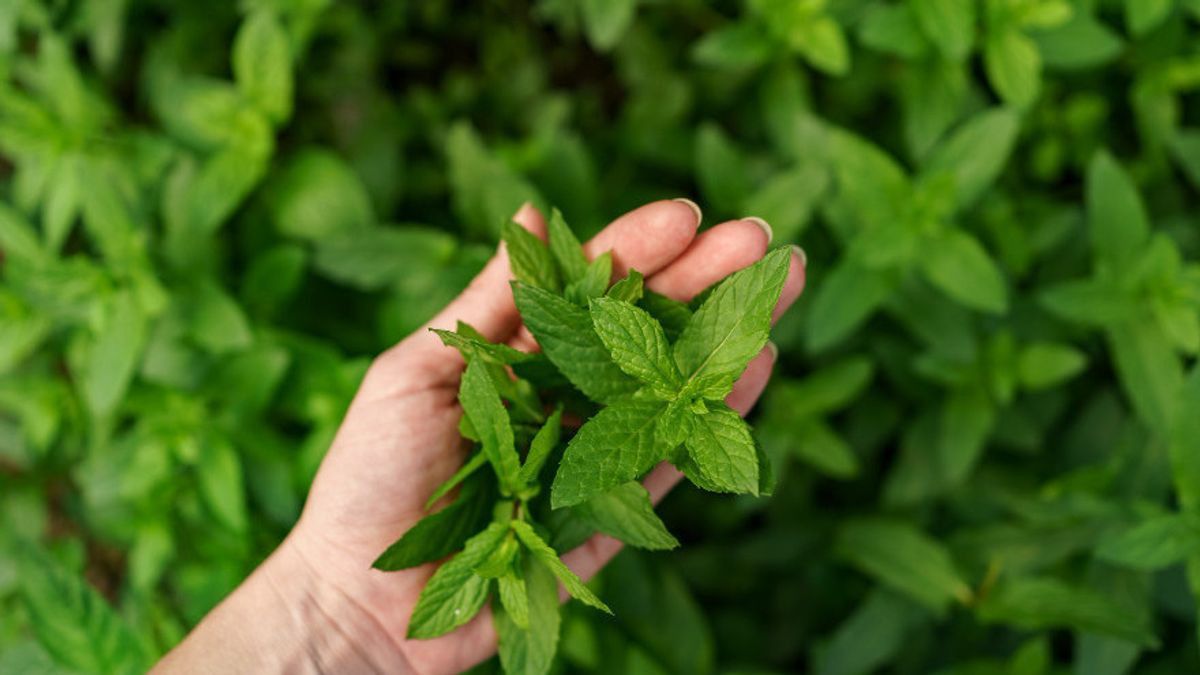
{"type": "Point", "coordinates": [649, 237]}
{"type": "Point", "coordinates": [714, 255]}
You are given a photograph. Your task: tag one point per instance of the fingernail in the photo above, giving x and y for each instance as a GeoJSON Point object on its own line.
{"type": "Point", "coordinates": [766, 227]}
{"type": "Point", "coordinates": [525, 205]}
{"type": "Point", "coordinates": [802, 255]}
{"type": "Point", "coordinates": [691, 205]}
{"type": "Point", "coordinates": [774, 349]}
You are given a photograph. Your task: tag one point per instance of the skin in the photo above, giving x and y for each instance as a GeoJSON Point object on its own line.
{"type": "Point", "coordinates": [316, 605]}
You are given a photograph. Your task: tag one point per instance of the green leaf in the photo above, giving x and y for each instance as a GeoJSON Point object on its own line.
{"type": "Point", "coordinates": [439, 534]}
{"type": "Point", "coordinates": [1117, 219]}
{"type": "Point", "coordinates": [722, 453]}
{"type": "Point", "coordinates": [469, 467]}
{"type": "Point", "coordinates": [593, 283]}
{"type": "Point", "coordinates": [613, 447]}
{"type": "Point", "coordinates": [819, 445]}
{"type": "Point", "coordinates": [732, 326]}
{"type": "Point", "coordinates": [826, 390]}
{"type": "Point", "coordinates": [470, 344]}
{"type": "Point", "coordinates": [1013, 66]}
{"type": "Point", "coordinates": [671, 314]}
{"type": "Point", "coordinates": [606, 21]}
{"type": "Point", "coordinates": [73, 622]}
{"type": "Point", "coordinates": [849, 295]}
{"type": "Point", "coordinates": [486, 190]}
{"type": "Point", "coordinates": [787, 200]}
{"type": "Point", "coordinates": [18, 239]}
{"type": "Point", "coordinates": [976, 153]}
{"type": "Point", "coordinates": [637, 344]}
{"type": "Point", "coordinates": [1143, 16]}
{"type": "Point", "coordinates": [958, 265]}
{"type": "Point", "coordinates": [316, 195]}
{"type": "Point", "coordinates": [629, 289]}
{"type": "Point", "coordinates": [113, 355]}
{"type": "Point", "coordinates": [823, 44]}
{"type": "Point", "coordinates": [565, 248]}
{"type": "Point", "coordinates": [531, 651]}
{"type": "Point", "coordinates": [720, 169]}
{"type": "Point", "coordinates": [966, 420]}
{"type": "Point", "coordinates": [455, 594]}
{"type": "Point", "coordinates": [1081, 43]}
{"type": "Point", "coordinates": [214, 320]}
{"type": "Point", "coordinates": [625, 512]}
{"type": "Point", "coordinates": [565, 333]}
{"type": "Point", "coordinates": [893, 29]}
{"type": "Point", "coordinates": [514, 598]}
{"type": "Point", "coordinates": [1150, 372]}
{"type": "Point", "coordinates": [900, 556]}
{"type": "Point", "coordinates": [1045, 364]}
{"type": "Point", "coordinates": [949, 24]}
{"type": "Point", "coordinates": [1090, 302]}
{"type": "Point", "coordinates": [743, 44]}
{"type": "Point", "coordinates": [869, 638]}
{"type": "Point", "coordinates": [482, 406]}
{"type": "Point", "coordinates": [220, 480]}
{"type": "Point", "coordinates": [1040, 603]}
{"type": "Point", "coordinates": [529, 257]}
{"type": "Point", "coordinates": [1154, 543]}
{"type": "Point", "coordinates": [545, 555]}
{"type": "Point", "coordinates": [377, 257]}
{"type": "Point", "coordinates": [262, 65]}
{"type": "Point", "coordinates": [540, 448]}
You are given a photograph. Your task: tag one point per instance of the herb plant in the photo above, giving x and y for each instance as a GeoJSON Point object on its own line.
{"type": "Point", "coordinates": [647, 398]}
{"type": "Point", "coordinates": [983, 416]}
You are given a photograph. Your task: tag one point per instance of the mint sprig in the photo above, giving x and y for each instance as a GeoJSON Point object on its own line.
{"type": "Point", "coordinates": [649, 375]}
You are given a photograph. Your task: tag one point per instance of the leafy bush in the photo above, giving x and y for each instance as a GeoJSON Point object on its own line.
{"type": "Point", "coordinates": [984, 423]}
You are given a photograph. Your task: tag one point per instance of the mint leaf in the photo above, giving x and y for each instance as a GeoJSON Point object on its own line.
{"type": "Point", "coordinates": [72, 620]}
{"type": "Point", "coordinates": [540, 448]}
{"type": "Point", "coordinates": [439, 534]}
{"type": "Point", "coordinates": [959, 266]}
{"type": "Point", "coordinates": [629, 289]}
{"type": "Point", "coordinates": [899, 555]}
{"type": "Point", "coordinates": [565, 334]}
{"type": "Point", "coordinates": [637, 344]}
{"type": "Point", "coordinates": [455, 594]}
{"type": "Point", "coordinates": [671, 314]}
{"type": "Point", "coordinates": [529, 258]}
{"type": "Point", "coordinates": [531, 651]}
{"type": "Point", "coordinates": [614, 446]}
{"type": "Point", "coordinates": [722, 453]}
{"type": "Point", "coordinates": [471, 466]}
{"type": "Point", "coordinates": [544, 554]}
{"type": "Point", "coordinates": [1116, 216]}
{"type": "Point", "coordinates": [469, 346]}
{"type": "Point", "coordinates": [565, 248]}
{"type": "Point", "coordinates": [625, 512]}
{"type": "Point", "coordinates": [732, 326]}
{"type": "Point", "coordinates": [594, 281]}
{"type": "Point", "coordinates": [1154, 543]}
{"type": "Point", "coordinates": [676, 423]}
{"type": "Point", "coordinates": [481, 405]}
{"type": "Point", "coordinates": [262, 65]}
{"type": "Point", "coordinates": [514, 599]}
{"type": "Point", "coordinates": [1040, 603]}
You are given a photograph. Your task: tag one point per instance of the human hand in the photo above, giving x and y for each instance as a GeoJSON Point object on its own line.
{"type": "Point", "coordinates": [316, 602]}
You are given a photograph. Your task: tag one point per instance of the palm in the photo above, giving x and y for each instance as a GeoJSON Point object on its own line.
{"type": "Point", "coordinates": [400, 438]}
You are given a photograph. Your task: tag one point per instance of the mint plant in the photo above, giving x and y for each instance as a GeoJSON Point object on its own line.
{"type": "Point", "coordinates": [650, 376]}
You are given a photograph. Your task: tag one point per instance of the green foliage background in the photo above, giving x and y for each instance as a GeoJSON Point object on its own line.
{"type": "Point", "coordinates": [985, 420]}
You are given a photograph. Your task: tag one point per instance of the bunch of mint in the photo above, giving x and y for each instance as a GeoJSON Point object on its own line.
{"type": "Point", "coordinates": [648, 373]}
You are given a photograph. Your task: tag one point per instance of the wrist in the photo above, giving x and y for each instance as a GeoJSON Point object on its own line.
{"type": "Point", "coordinates": [286, 617]}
